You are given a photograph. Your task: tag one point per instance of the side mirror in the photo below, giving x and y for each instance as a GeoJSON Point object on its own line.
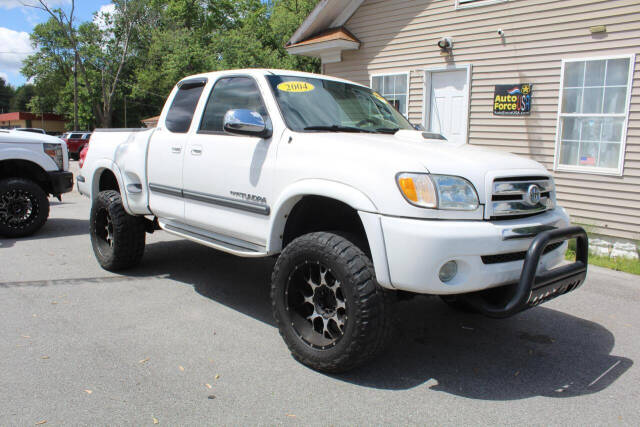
{"type": "Point", "coordinates": [246, 122]}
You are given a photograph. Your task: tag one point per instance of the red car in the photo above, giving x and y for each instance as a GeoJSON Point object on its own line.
{"type": "Point", "coordinates": [76, 141]}
{"type": "Point", "coordinates": [83, 155]}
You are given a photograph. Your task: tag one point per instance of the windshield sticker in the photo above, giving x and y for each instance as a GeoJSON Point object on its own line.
{"type": "Point", "coordinates": [380, 97]}
{"type": "Point", "coordinates": [296, 87]}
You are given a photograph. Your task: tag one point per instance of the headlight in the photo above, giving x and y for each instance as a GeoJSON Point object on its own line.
{"type": "Point", "coordinates": [438, 191]}
{"type": "Point", "coordinates": [55, 152]}
{"type": "Point", "coordinates": [418, 189]}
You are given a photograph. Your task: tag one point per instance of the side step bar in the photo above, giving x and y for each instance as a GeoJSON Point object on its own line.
{"type": "Point", "coordinates": [214, 240]}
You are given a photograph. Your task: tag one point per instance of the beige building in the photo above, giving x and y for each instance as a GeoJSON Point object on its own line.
{"type": "Point", "coordinates": [51, 123]}
{"type": "Point", "coordinates": [554, 80]}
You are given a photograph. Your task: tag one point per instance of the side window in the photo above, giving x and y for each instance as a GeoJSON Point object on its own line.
{"type": "Point", "coordinates": [395, 88]}
{"type": "Point", "coordinates": [184, 104]}
{"type": "Point", "coordinates": [231, 93]}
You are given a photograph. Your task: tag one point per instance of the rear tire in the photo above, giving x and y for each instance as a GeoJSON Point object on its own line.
{"type": "Point", "coordinates": [329, 309]}
{"type": "Point", "coordinates": [24, 207]}
{"type": "Point", "coordinates": [117, 238]}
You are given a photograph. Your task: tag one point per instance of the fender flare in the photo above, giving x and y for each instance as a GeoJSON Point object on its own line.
{"type": "Point", "coordinates": [101, 165]}
{"type": "Point", "coordinates": [344, 193]}
{"type": "Point", "coordinates": [311, 187]}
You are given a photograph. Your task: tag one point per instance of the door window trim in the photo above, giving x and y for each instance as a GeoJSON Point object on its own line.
{"type": "Point", "coordinates": [558, 145]}
{"type": "Point", "coordinates": [193, 82]}
{"type": "Point", "coordinates": [204, 107]}
{"type": "Point", "coordinates": [426, 94]}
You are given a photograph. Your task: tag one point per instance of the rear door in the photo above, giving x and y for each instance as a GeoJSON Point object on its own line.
{"type": "Point", "coordinates": [166, 151]}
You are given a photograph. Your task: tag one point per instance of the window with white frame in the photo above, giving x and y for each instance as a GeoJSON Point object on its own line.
{"type": "Point", "coordinates": [394, 88]}
{"type": "Point", "coordinates": [593, 113]}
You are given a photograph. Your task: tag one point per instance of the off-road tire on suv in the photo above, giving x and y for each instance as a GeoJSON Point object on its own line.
{"type": "Point", "coordinates": [24, 207]}
{"type": "Point", "coordinates": [321, 281]}
{"type": "Point", "coordinates": [117, 238]}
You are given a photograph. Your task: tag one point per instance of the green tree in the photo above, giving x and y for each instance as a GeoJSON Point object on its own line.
{"type": "Point", "coordinates": [22, 97]}
{"type": "Point", "coordinates": [144, 47]}
{"type": "Point", "coordinates": [102, 50]}
{"type": "Point", "coordinates": [6, 94]}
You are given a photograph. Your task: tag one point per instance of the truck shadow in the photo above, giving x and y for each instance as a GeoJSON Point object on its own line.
{"type": "Point", "coordinates": [53, 228]}
{"type": "Point", "coordinates": [541, 352]}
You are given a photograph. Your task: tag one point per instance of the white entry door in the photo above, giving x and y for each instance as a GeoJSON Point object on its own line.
{"type": "Point", "coordinates": [447, 111]}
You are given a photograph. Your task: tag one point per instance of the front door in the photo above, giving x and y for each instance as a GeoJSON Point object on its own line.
{"type": "Point", "coordinates": [448, 105]}
{"type": "Point", "coordinates": [227, 178]}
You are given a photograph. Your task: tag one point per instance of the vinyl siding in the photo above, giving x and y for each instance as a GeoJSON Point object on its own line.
{"type": "Point", "coordinates": [400, 36]}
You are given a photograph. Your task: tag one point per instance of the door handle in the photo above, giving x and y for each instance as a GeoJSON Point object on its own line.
{"type": "Point", "coordinates": [196, 150]}
{"type": "Point", "coordinates": [176, 150]}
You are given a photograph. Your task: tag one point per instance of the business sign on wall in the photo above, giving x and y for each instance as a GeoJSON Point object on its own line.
{"type": "Point", "coordinates": [512, 100]}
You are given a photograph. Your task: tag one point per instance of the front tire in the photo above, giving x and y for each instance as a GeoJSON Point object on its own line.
{"type": "Point", "coordinates": [24, 207]}
{"type": "Point", "coordinates": [329, 309]}
{"type": "Point", "coordinates": [117, 238]}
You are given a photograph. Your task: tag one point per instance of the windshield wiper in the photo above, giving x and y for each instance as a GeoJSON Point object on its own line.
{"type": "Point", "coordinates": [336, 128]}
{"type": "Point", "coordinates": [387, 130]}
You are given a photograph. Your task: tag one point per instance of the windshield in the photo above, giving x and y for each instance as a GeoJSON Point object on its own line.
{"type": "Point", "coordinates": [310, 104]}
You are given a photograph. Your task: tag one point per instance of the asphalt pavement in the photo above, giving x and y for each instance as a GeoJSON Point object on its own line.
{"type": "Point", "coordinates": [188, 338]}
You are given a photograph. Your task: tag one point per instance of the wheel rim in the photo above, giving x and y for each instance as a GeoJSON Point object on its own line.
{"type": "Point", "coordinates": [316, 304]}
{"type": "Point", "coordinates": [104, 231]}
{"type": "Point", "coordinates": [18, 208]}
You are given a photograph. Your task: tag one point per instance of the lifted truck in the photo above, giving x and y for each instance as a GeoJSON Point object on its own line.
{"type": "Point", "coordinates": [356, 203]}
{"type": "Point", "coordinates": [32, 166]}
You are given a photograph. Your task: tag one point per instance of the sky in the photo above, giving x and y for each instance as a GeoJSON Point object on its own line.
{"type": "Point", "coordinates": [17, 21]}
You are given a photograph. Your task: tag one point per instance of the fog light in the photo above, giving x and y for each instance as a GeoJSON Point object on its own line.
{"type": "Point", "coordinates": [448, 271]}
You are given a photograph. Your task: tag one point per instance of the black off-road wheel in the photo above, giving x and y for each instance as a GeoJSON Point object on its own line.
{"type": "Point", "coordinates": [117, 238]}
{"type": "Point", "coordinates": [24, 207]}
{"type": "Point", "coordinates": [329, 309]}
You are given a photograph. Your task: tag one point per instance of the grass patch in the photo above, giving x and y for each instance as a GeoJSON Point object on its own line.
{"type": "Point", "coordinates": [619, 264]}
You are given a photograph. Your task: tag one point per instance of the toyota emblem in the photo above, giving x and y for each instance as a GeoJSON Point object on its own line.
{"type": "Point", "coordinates": [533, 195]}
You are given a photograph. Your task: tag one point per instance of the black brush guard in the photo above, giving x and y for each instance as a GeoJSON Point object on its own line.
{"type": "Point", "coordinates": [532, 290]}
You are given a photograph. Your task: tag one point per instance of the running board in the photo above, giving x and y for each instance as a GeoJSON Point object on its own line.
{"type": "Point", "coordinates": [214, 240]}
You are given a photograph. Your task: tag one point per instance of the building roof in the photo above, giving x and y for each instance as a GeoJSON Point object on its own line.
{"type": "Point", "coordinates": [23, 115]}
{"type": "Point", "coordinates": [326, 15]}
{"type": "Point", "coordinates": [150, 119]}
{"type": "Point", "coordinates": [328, 35]}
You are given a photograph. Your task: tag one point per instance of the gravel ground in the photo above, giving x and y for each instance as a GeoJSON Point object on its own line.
{"type": "Point", "coordinates": [188, 338]}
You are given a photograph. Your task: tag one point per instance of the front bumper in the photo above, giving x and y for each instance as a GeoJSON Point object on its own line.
{"type": "Point", "coordinates": [533, 289]}
{"type": "Point", "coordinates": [61, 182]}
{"type": "Point", "coordinates": [417, 249]}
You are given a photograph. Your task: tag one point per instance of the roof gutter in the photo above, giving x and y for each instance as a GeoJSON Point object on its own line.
{"type": "Point", "coordinates": [300, 32]}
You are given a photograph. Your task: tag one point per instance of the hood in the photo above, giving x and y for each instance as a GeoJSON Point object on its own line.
{"type": "Point", "coordinates": [442, 157]}
{"type": "Point", "coordinates": [22, 137]}
{"type": "Point", "coordinates": [409, 151]}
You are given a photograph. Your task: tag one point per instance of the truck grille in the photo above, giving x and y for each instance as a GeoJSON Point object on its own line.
{"type": "Point", "coordinates": [517, 197]}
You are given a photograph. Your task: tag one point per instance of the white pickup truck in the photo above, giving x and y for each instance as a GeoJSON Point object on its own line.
{"type": "Point", "coordinates": [32, 166]}
{"type": "Point", "coordinates": [358, 205]}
